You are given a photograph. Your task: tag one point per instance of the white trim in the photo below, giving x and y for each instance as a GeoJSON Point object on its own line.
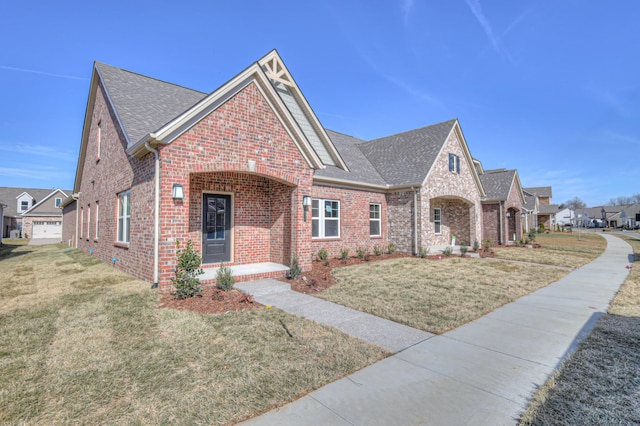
{"type": "Point", "coordinates": [126, 233]}
{"type": "Point", "coordinates": [379, 219]}
{"type": "Point", "coordinates": [322, 219]}
{"type": "Point", "coordinates": [438, 221]}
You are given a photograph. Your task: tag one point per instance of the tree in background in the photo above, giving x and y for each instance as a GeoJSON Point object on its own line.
{"type": "Point", "coordinates": [622, 201]}
{"type": "Point", "coordinates": [575, 204]}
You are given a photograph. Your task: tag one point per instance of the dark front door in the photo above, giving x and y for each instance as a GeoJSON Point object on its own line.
{"type": "Point", "coordinates": [216, 228]}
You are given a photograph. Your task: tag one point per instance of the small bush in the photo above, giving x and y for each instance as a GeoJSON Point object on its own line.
{"type": "Point", "coordinates": [391, 248]}
{"type": "Point", "coordinates": [361, 252]}
{"type": "Point", "coordinates": [447, 251]}
{"type": "Point", "coordinates": [423, 252]}
{"type": "Point", "coordinates": [294, 269]}
{"type": "Point", "coordinates": [377, 250]}
{"type": "Point", "coordinates": [323, 254]}
{"type": "Point", "coordinates": [487, 244]}
{"type": "Point", "coordinates": [463, 250]}
{"type": "Point", "coordinates": [476, 245]}
{"type": "Point", "coordinates": [224, 278]}
{"type": "Point", "coordinates": [186, 282]}
{"type": "Point", "coordinates": [532, 235]}
{"type": "Point", "coordinates": [344, 253]}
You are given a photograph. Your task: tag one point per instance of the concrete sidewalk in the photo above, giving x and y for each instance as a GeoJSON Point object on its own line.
{"type": "Point", "coordinates": [482, 373]}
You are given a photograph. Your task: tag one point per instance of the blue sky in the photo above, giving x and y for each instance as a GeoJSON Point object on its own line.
{"type": "Point", "coordinates": [551, 88]}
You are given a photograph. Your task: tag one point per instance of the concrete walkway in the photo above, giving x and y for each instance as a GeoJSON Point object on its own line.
{"type": "Point", "coordinates": [482, 373]}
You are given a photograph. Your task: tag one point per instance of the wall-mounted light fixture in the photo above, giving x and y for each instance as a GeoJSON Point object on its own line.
{"type": "Point", "coordinates": [306, 202]}
{"type": "Point", "coordinates": [177, 193]}
{"type": "Point", "coordinates": [508, 214]}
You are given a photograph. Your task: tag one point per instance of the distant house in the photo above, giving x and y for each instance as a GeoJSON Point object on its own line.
{"type": "Point", "coordinates": [248, 173]}
{"type": "Point", "coordinates": [3, 205]}
{"type": "Point", "coordinates": [625, 216]}
{"type": "Point", "coordinates": [33, 213]}
{"type": "Point", "coordinates": [540, 211]}
{"type": "Point", "coordinates": [502, 208]}
{"type": "Point", "coordinates": [566, 216]}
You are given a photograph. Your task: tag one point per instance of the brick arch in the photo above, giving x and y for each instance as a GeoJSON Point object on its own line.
{"type": "Point", "coordinates": [246, 167]}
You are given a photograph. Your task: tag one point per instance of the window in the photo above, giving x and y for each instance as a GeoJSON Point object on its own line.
{"type": "Point", "coordinates": [437, 220]}
{"type": "Point", "coordinates": [97, 219]}
{"type": "Point", "coordinates": [375, 230]}
{"type": "Point", "coordinates": [124, 216]}
{"type": "Point", "coordinates": [98, 140]}
{"type": "Point", "coordinates": [24, 206]}
{"type": "Point", "coordinates": [325, 216]}
{"type": "Point", "coordinates": [454, 163]}
{"type": "Point", "coordinates": [58, 202]}
{"type": "Point", "coordinates": [88, 221]}
{"type": "Point", "coordinates": [81, 221]}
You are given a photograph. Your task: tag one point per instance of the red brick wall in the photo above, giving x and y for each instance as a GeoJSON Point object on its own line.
{"type": "Point", "coordinates": [240, 148]}
{"type": "Point", "coordinates": [354, 221]}
{"type": "Point", "coordinates": [69, 224]}
{"type": "Point", "coordinates": [102, 180]}
{"type": "Point", "coordinates": [491, 222]}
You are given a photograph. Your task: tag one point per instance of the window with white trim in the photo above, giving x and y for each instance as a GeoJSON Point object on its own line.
{"type": "Point", "coordinates": [58, 202]}
{"type": "Point", "coordinates": [98, 140]}
{"type": "Point", "coordinates": [97, 219]}
{"type": "Point", "coordinates": [437, 220]}
{"type": "Point", "coordinates": [24, 206]}
{"type": "Point", "coordinates": [88, 221]}
{"type": "Point", "coordinates": [375, 222]}
{"type": "Point", "coordinates": [124, 216]}
{"type": "Point", "coordinates": [454, 163]}
{"type": "Point", "coordinates": [81, 221]}
{"type": "Point", "coordinates": [325, 218]}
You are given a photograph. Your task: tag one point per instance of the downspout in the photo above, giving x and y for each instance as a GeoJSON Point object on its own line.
{"type": "Point", "coordinates": [500, 226]}
{"type": "Point", "coordinates": [75, 236]}
{"type": "Point", "coordinates": [415, 220]}
{"type": "Point", "coordinates": [156, 219]}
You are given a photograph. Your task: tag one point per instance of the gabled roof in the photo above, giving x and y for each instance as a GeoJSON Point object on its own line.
{"type": "Point", "coordinates": [406, 158]}
{"type": "Point", "coordinates": [11, 194]}
{"type": "Point", "coordinates": [497, 184]}
{"type": "Point", "coordinates": [540, 191]}
{"type": "Point", "coordinates": [37, 205]}
{"type": "Point", "coordinates": [3, 204]}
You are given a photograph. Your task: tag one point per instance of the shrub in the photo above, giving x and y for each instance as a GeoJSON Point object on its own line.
{"type": "Point", "coordinates": [447, 251]}
{"type": "Point", "coordinates": [361, 252]}
{"type": "Point", "coordinates": [377, 250]}
{"type": "Point", "coordinates": [323, 254]}
{"type": "Point", "coordinates": [532, 235]}
{"type": "Point", "coordinates": [344, 253]}
{"type": "Point", "coordinates": [476, 245]}
{"type": "Point", "coordinates": [186, 282]}
{"type": "Point", "coordinates": [487, 244]}
{"type": "Point", "coordinates": [224, 278]}
{"type": "Point", "coordinates": [392, 248]}
{"type": "Point", "coordinates": [463, 250]}
{"type": "Point", "coordinates": [294, 269]}
{"type": "Point", "coordinates": [423, 252]}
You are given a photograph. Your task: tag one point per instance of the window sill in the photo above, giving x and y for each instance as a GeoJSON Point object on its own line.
{"type": "Point", "coordinates": [325, 238]}
{"type": "Point", "coordinates": [375, 237]}
{"type": "Point", "coordinates": [121, 245]}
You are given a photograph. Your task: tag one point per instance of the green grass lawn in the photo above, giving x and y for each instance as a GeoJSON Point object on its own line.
{"type": "Point", "coordinates": [599, 384]}
{"type": "Point", "coordinates": [81, 342]}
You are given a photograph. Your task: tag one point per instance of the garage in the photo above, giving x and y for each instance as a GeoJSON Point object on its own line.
{"type": "Point", "coordinates": [49, 229]}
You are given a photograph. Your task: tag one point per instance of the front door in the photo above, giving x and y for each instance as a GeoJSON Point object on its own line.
{"type": "Point", "coordinates": [216, 228]}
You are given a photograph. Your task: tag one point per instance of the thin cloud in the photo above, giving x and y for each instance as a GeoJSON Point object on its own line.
{"type": "Point", "coordinates": [37, 173]}
{"type": "Point", "coordinates": [38, 150]}
{"type": "Point", "coordinates": [407, 5]}
{"type": "Point", "coordinates": [496, 42]}
{"type": "Point", "coordinates": [48, 74]}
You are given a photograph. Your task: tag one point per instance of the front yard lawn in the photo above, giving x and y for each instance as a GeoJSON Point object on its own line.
{"type": "Point", "coordinates": [81, 342]}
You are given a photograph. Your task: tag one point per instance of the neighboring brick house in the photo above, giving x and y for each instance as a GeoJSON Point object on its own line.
{"type": "Point", "coordinates": [33, 213]}
{"type": "Point", "coordinates": [502, 209]}
{"type": "Point", "coordinates": [251, 177]}
{"type": "Point", "coordinates": [541, 213]}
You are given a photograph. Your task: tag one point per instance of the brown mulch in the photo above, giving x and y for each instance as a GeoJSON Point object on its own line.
{"type": "Point", "coordinates": [212, 300]}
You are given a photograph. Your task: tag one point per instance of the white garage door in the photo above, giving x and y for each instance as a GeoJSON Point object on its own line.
{"type": "Point", "coordinates": [47, 229]}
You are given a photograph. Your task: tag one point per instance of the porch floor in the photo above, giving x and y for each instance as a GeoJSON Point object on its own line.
{"type": "Point", "coordinates": [251, 269]}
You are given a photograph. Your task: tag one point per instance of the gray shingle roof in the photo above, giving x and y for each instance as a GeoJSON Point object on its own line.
{"type": "Point", "coordinates": [360, 168]}
{"type": "Point", "coordinates": [541, 191]}
{"type": "Point", "coordinates": [406, 158]}
{"type": "Point", "coordinates": [144, 104]}
{"type": "Point", "coordinates": [9, 194]}
{"type": "Point", "coordinates": [497, 183]}
{"type": "Point", "coordinates": [548, 209]}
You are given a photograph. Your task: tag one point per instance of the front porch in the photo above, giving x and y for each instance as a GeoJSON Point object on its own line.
{"type": "Point", "coordinates": [247, 272]}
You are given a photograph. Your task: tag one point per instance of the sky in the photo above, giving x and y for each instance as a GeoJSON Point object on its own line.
{"type": "Point", "coordinates": [550, 87]}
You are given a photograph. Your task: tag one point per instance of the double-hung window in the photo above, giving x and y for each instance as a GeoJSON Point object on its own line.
{"type": "Point", "coordinates": [124, 216]}
{"type": "Point", "coordinates": [375, 230]}
{"type": "Point", "coordinates": [325, 218]}
{"type": "Point", "coordinates": [97, 219]}
{"type": "Point", "coordinates": [437, 221]}
{"type": "Point", "coordinates": [454, 163]}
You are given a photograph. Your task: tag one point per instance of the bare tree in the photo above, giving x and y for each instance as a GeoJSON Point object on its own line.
{"type": "Point", "coordinates": [575, 204]}
{"type": "Point", "coordinates": [621, 201]}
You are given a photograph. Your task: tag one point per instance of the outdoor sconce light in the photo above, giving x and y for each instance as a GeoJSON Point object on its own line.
{"type": "Point", "coordinates": [306, 202]}
{"type": "Point", "coordinates": [508, 214]}
{"type": "Point", "coordinates": [178, 192]}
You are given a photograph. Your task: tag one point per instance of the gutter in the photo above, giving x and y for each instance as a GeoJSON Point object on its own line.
{"type": "Point", "coordinates": [76, 197]}
{"type": "Point", "coordinates": [501, 224]}
{"type": "Point", "coordinates": [415, 220]}
{"type": "Point", "coordinates": [156, 219]}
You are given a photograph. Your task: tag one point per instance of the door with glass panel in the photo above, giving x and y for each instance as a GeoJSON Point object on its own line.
{"type": "Point", "coordinates": [216, 228]}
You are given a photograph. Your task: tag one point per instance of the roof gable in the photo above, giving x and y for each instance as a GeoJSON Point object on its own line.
{"type": "Point", "coordinates": [39, 204]}
{"type": "Point", "coordinates": [499, 183]}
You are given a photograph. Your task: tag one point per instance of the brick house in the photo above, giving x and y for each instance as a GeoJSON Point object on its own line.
{"type": "Point", "coordinates": [502, 208]}
{"type": "Point", "coordinates": [251, 177]}
{"type": "Point", "coordinates": [538, 204]}
{"type": "Point", "coordinates": [33, 212]}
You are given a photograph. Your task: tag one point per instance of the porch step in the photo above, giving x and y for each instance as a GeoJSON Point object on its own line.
{"type": "Point", "coordinates": [248, 272]}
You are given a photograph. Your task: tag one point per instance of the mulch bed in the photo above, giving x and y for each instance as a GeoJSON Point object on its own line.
{"type": "Point", "coordinates": [211, 301]}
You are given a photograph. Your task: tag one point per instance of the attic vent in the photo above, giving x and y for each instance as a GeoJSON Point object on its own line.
{"type": "Point", "coordinates": [276, 72]}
